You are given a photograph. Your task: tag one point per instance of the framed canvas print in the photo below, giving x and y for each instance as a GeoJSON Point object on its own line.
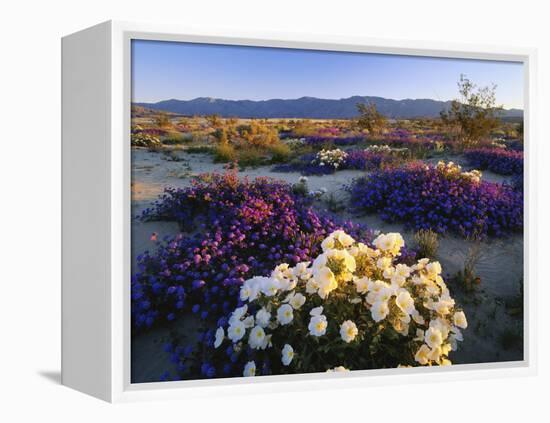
{"type": "Point", "coordinates": [257, 212]}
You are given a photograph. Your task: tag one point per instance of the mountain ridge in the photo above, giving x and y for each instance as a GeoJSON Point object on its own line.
{"type": "Point", "coordinates": [306, 107]}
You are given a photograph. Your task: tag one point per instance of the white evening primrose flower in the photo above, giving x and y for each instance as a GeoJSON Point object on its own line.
{"type": "Point", "coordinates": [443, 307]}
{"type": "Point", "coordinates": [405, 302]}
{"type": "Point", "coordinates": [249, 290]}
{"type": "Point", "coordinates": [220, 335]}
{"type": "Point", "coordinates": [285, 314]}
{"type": "Point", "coordinates": [391, 243]}
{"type": "Point", "coordinates": [433, 337]}
{"type": "Point", "coordinates": [348, 331]}
{"type": "Point", "coordinates": [263, 317]}
{"type": "Point", "coordinates": [236, 331]}
{"type": "Point", "coordinates": [377, 291]}
{"type": "Point", "coordinates": [302, 270]}
{"type": "Point", "coordinates": [325, 281]}
{"type": "Point", "coordinates": [328, 243]}
{"type": "Point", "coordinates": [248, 322]}
{"type": "Point", "coordinates": [383, 263]}
{"type": "Point", "coordinates": [379, 310]}
{"type": "Point", "coordinates": [346, 258]}
{"type": "Point", "coordinates": [433, 269]}
{"type": "Point", "coordinates": [287, 355]}
{"type": "Point", "coordinates": [362, 284]}
{"type": "Point", "coordinates": [459, 319]}
{"type": "Point", "coordinates": [422, 354]}
{"type": "Point", "coordinates": [317, 325]}
{"type": "Point", "coordinates": [421, 264]}
{"type": "Point", "coordinates": [297, 301]}
{"type": "Point", "coordinates": [237, 314]}
{"type": "Point", "coordinates": [343, 238]}
{"type": "Point", "coordinates": [312, 286]}
{"type": "Point", "coordinates": [249, 369]}
{"type": "Point", "coordinates": [256, 337]}
{"type": "Point", "coordinates": [317, 311]}
{"type": "Point", "coordinates": [338, 369]}
{"type": "Point", "coordinates": [269, 286]}
{"type": "Point", "coordinates": [266, 343]}
{"type": "Point", "coordinates": [283, 274]}
{"type": "Point", "coordinates": [417, 317]}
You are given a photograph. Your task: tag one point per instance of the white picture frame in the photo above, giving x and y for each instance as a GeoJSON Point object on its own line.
{"type": "Point", "coordinates": [96, 234]}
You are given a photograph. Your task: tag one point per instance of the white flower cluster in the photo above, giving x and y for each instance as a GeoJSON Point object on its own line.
{"type": "Point", "coordinates": [295, 142]}
{"type": "Point", "coordinates": [452, 169]}
{"type": "Point", "coordinates": [332, 158]}
{"type": "Point", "coordinates": [411, 301]}
{"type": "Point", "coordinates": [385, 149]}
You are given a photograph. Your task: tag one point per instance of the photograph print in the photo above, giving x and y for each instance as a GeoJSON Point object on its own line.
{"type": "Point", "coordinates": [306, 211]}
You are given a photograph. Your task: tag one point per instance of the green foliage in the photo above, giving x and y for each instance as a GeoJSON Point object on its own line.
{"type": "Point", "coordinates": [250, 157]}
{"type": "Point", "coordinates": [175, 138]}
{"type": "Point", "coordinates": [224, 153]}
{"type": "Point", "coordinates": [427, 243]}
{"type": "Point", "coordinates": [162, 120]}
{"type": "Point", "coordinates": [280, 152]}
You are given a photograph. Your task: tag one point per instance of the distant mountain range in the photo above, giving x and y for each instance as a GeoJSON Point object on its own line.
{"type": "Point", "coordinates": [306, 107]}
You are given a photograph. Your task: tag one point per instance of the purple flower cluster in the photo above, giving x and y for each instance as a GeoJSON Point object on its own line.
{"type": "Point", "coordinates": [355, 160]}
{"type": "Point", "coordinates": [425, 198]}
{"type": "Point", "coordinates": [498, 160]}
{"type": "Point", "coordinates": [236, 229]}
{"type": "Point", "coordinates": [371, 160]}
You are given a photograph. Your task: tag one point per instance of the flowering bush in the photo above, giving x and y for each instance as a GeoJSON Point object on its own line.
{"type": "Point", "coordinates": [240, 228]}
{"type": "Point", "coordinates": [330, 158]}
{"type": "Point", "coordinates": [352, 307]}
{"type": "Point", "coordinates": [322, 164]}
{"type": "Point", "coordinates": [498, 160]}
{"type": "Point", "coordinates": [371, 159]}
{"type": "Point", "coordinates": [141, 139]}
{"type": "Point", "coordinates": [441, 198]}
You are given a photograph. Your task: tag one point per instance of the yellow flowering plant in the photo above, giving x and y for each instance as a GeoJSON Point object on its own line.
{"type": "Point", "coordinates": [354, 307]}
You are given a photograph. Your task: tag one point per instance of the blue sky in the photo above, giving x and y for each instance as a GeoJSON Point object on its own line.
{"type": "Point", "coordinates": [163, 70]}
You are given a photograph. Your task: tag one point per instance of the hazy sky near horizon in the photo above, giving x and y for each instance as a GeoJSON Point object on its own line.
{"type": "Point", "coordinates": [173, 70]}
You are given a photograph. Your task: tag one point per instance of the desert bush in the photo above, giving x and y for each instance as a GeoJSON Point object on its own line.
{"type": "Point", "coordinates": [441, 198]}
{"type": "Point", "coordinates": [174, 138]}
{"type": "Point", "coordinates": [353, 307]}
{"type": "Point", "coordinates": [370, 118]}
{"type": "Point", "coordinates": [141, 139]}
{"type": "Point", "coordinates": [280, 152]}
{"type": "Point", "coordinates": [162, 120]}
{"type": "Point", "coordinates": [474, 114]}
{"type": "Point", "coordinates": [427, 243]}
{"type": "Point", "coordinates": [250, 157]}
{"type": "Point", "coordinates": [224, 153]}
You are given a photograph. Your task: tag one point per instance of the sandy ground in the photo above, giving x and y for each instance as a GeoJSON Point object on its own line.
{"type": "Point", "coordinates": [494, 332]}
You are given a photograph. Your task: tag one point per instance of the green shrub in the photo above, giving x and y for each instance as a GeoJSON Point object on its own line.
{"type": "Point", "coordinates": [427, 243]}
{"type": "Point", "coordinates": [224, 153]}
{"type": "Point", "coordinates": [199, 149]}
{"type": "Point", "coordinates": [175, 138]}
{"type": "Point", "coordinates": [250, 157]}
{"type": "Point", "coordinates": [280, 152]}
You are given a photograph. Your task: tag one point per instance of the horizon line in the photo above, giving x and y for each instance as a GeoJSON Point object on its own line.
{"type": "Point", "coordinates": [505, 107]}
